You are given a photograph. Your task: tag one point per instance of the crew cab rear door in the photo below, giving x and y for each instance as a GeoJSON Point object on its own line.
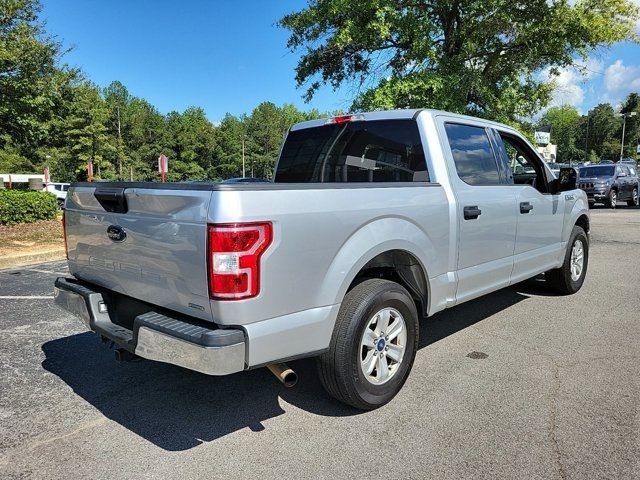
{"type": "Point", "coordinates": [486, 211]}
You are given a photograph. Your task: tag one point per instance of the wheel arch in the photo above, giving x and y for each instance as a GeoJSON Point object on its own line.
{"type": "Point", "coordinates": [402, 267]}
{"type": "Point", "coordinates": [578, 215]}
{"type": "Point", "coordinates": [583, 222]}
{"type": "Point", "coordinates": [377, 247]}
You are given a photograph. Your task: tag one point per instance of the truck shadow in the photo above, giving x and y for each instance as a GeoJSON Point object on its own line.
{"type": "Point", "coordinates": [177, 409]}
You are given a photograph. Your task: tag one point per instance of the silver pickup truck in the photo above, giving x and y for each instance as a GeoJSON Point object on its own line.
{"type": "Point", "coordinates": [372, 222]}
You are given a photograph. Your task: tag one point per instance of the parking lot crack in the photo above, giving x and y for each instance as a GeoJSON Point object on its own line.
{"type": "Point", "coordinates": [553, 423]}
{"type": "Point", "coordinates": [553, 400]}
{"type": "Point", "coordinates": [21, 450]}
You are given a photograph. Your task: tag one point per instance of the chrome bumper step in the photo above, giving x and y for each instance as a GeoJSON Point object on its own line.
{"type": "Point", "coordinates": [213, 351]}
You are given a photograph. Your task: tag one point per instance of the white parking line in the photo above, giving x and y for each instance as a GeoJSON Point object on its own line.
{"type": "Point", "coordinates": [26, 297]}
{"type": "Point", "coordinates": [46, 271]}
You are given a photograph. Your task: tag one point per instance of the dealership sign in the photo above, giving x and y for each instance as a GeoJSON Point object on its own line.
{"type": "Point", "coordinates": [543, 135]}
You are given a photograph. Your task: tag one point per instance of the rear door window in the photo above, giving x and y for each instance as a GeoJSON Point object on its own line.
{"type": "Point", "coordinates": [361, 151]}
{"type": "Point", "coordinates": [472, 154]}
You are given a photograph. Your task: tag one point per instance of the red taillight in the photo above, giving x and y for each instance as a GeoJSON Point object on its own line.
{"type": "Point", "coordinates": [64, 235]}
{"type": "Point", "coordinates": [234, 258]}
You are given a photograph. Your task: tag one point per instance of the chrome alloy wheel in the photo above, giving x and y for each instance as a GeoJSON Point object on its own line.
{"type": "Point", "coordinates": [577, 260]}
{"type": "Point", "coordinates": [382, 346]}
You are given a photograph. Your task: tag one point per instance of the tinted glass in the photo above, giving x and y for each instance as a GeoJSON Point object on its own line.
{"type": "Point", "coordinates": [472, 154]}
{"type": "Point", "coordinates": [597, 171]}
{"type": "Point", "coordinates": [362, 151]}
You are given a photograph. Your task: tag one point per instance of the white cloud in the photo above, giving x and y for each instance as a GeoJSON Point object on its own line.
{"type": "Point", "coordinates": [569, 82]}
{"type": "Point", "coordinates": [620, 79]}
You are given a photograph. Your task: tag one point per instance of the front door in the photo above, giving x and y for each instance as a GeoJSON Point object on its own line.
{"type": "Point", "coordinates": [540, 215]}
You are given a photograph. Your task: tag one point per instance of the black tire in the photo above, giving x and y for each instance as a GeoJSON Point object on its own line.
{"type": "Point", "coordinates": [612, 199]}
{"type": "Point", "coordinates": [560, 279]}
{"type": "Point", "coordinates": [340, 368]}
{"type": "Point", "coordinates": [633, 201]}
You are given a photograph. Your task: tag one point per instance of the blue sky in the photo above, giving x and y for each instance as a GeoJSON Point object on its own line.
{"type": "Point", "coordinates": [229, 56]}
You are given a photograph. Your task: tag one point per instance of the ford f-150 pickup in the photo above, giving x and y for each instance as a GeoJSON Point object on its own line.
{"type": "Point", "coordinates": [372, 222]}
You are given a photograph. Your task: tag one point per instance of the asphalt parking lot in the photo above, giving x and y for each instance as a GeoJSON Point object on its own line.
{"type": "Point", "coordinates": [555, 395]}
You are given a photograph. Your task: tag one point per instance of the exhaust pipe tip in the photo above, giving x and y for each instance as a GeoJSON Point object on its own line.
{"type": "Point", "coordinates": [290, 379]}
{"type": "Point", "coordinates": [283, 373]}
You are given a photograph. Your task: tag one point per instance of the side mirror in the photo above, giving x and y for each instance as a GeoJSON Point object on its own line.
{"type": "Point", "coordinates": [622, 174]}
{"type": "Point", "coordinates": [567, 180]}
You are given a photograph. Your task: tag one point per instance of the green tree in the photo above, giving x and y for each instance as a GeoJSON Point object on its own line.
{"type": "Point", "coordinates": [632, 130]}
{"type": "Point", "coordinates": [117, 100]}
{"type": "Point", "coordinates": [477, 56]}
{"type": "Point", "coordinates": [603, 125]}
{"type": "Point", "coordinates": [266, 128]}
{"type": "Point", "coordinates": [565, 124]}
{"type": "Point", "coordinates": [31, 83]}
{"type": "Point", "coordinates": [228, 154]}
{"type": "Point", "coordinates": [189, 142]}
{"type": "Point", "coordinates": [144, 139]}
{"type": "Point", "coordinates": [87, 134]}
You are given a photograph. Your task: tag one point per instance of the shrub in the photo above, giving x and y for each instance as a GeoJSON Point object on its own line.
{"type": "Point", "coordinates": [18, 206]}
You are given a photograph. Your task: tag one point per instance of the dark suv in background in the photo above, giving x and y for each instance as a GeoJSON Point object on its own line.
{"type": "Point", "coordinates": [610, 183]}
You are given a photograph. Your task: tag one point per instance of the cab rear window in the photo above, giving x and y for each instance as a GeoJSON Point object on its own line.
{"type": "Point", "coordinates": [360, 151]}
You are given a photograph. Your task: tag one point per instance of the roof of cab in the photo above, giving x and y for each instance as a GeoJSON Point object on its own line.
{"type": "Point", "coordinates": [398, 114]}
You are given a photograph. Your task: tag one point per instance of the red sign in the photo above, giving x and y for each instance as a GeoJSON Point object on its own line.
{"type": "Point", "coordinates": [163, 166]}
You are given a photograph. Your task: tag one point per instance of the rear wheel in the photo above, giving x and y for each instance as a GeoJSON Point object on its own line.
{"type": "Point", "coordinates": [373, 346]}
{"type": "Point", "coordinates": [612, 199]}
{"type": "Point", "coordinates": [568, 279]}
{"type": "Point", "coordinates": [633, 201]}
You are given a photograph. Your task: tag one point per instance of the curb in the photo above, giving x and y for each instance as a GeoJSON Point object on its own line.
{"type": "Point", "coordinates": [31, 258]}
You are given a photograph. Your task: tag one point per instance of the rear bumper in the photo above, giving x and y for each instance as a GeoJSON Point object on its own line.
{"type": "Point", "coordinates": [155, 336]}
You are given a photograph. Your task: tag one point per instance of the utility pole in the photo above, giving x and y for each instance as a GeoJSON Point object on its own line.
{"type": "Point", "coordinates": [119, 143]}
{"type": "Point", "coordinates": [624, 124]}
{"type": "Point", "coordinates": [243, 172]}
{"type": "Point", "coordinates": [586, 140]}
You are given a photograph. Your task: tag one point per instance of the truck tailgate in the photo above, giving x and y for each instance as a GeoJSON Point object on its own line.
{"type": "Point", "coordinates": [148, 243]}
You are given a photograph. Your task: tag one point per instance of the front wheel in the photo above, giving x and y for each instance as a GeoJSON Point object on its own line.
{"type": "Point", "coordinates": [612, 200]}
{"type": "Point", "coordinates": [373, 346]}
{"type": "Point", "coordinates": [633, 202]}
{"type": "Point", "coordinates": [568, 279]}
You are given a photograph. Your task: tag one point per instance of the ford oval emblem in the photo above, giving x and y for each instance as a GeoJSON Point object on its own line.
{"type": "Point", "coordinates": [116, 233]}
